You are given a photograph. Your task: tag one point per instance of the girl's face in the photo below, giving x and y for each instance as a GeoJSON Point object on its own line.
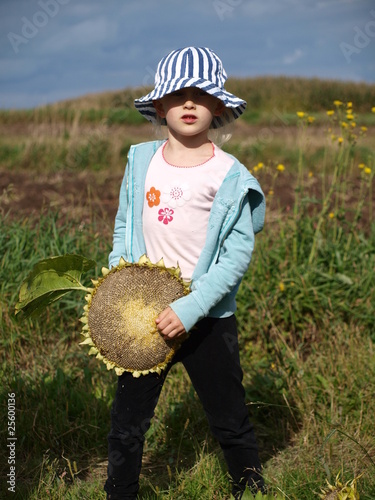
{"type": "Point", "coordinates": [189, 111]}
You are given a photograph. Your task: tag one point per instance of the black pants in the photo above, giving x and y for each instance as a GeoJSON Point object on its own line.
{"type": "Point", "coordinates": [211, 358]}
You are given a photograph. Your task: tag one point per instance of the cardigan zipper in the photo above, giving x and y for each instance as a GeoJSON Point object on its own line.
{"type": "Point", "coordinates": [130, 208]}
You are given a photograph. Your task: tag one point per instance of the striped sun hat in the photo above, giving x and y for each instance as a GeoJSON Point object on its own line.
{"type": "Point", "coordinates": [190, 67]}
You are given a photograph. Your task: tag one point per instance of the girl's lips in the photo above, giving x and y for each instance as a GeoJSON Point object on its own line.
{"type": "Point", "coordinates": [189, 118]}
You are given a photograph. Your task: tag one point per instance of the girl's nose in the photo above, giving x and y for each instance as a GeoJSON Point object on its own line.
{"type": "Point", "coordinates": [189, 103]}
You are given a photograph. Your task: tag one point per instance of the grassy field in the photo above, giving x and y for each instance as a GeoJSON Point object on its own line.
{"type": "Point", "coordinates": [306, 308]}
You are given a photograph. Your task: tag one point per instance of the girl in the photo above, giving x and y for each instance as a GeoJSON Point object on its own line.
{"type": "Point", "coordinates": [187, 201]}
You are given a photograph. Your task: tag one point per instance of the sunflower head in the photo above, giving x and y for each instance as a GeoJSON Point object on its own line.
{"type": "Point", "coordinates": [119, 317]}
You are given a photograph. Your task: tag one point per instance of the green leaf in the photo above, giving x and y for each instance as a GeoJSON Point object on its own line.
{"type": "Point", "coordinates": [344, 278]}
{"type": "Point", "coordinates": [323, 381]}
{"type": "Point", "coordinates": [49, 280]}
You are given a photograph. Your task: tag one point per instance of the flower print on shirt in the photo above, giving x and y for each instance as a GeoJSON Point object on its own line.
{"type": "Point", "coordinates": [176, 194]}
{"type": "Point", "coordinates": [153, 197]}
{"type": "Point", "coordinates": [165, 215]}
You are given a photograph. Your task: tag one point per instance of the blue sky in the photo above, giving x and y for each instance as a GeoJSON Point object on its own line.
{"type": "Point", "coordinates": [56, 49]}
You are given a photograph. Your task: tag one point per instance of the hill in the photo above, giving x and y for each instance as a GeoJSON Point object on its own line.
{"type": "Point", "coordinates": [265, 96]}
{"type": "Point", "coordinates": [261, 93]}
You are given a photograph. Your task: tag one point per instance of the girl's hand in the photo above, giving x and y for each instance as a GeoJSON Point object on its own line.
{"type": "Point", "coordinates": [169, 324]}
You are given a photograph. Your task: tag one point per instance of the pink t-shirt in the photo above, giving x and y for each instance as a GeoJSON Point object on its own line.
{"type": "Point", "coordinates": [177, 206]}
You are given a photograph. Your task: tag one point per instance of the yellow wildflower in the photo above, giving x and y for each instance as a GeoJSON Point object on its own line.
{"type": "Point", "coordinates": [331, 215]}
{"type": "Point", "coordinates": [260, 165]}
{"type": "Point", "coordinates": [280, 167]}
{"type": "Point", "coordinates": [361, 165]}
{"type": "Point", "coordinates": [271, 192]}
{"type": "Point", "coordinates": [344, 124]}
{"type": "Point", "coordinates": [300, 114]}
{"type": "Point", "coordinates": [353, 124]}
{"type": "Point", "coordinates": [330, 112]}
{"type": "Point", "coordinates": [256, 168]}
{"type": "Point", "coordinates": [281, 286]}
{"type": "Point", "coordinates": [373, 109]}
{"type": "Point", "coordinates": [350, 116]}
{"type": "Point", "coordinates": [349, 104]}
{"type": "Point", "coordinates": [340, 140]}
{"type": "Point", "coordinates": [364, 129]}
{"type": "Point", "coordinates": [311, 174]}
{"type": "Point", "coordinates": [367, 170]}
{"type": "Point", "coordinates": [310, 119]}
{"type": "Point", "coordinates": [337, 103]}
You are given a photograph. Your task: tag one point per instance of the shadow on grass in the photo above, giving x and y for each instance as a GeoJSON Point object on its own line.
{"type": "Point", "coordinates": [62, 422]}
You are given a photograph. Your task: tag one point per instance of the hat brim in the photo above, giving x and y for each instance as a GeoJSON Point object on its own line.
{"type": "Point", "coordinates": [234, 105]}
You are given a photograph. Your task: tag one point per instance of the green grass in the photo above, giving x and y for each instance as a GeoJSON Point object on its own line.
{"type": "Point", "coordinates": [308, 382]}
{"type": "Point", "coordinates": [110, 116]}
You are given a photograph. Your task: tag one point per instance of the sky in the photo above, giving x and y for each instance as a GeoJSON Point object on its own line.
{"type": "Point", "coordinates": [52, 50]}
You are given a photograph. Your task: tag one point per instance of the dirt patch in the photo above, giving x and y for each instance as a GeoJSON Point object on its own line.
{"type": "Point", "coordinates": [82, 195]}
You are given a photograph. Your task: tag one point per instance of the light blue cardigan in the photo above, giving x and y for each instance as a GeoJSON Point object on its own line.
{"type": "Point", "coordinates": [237, 214]}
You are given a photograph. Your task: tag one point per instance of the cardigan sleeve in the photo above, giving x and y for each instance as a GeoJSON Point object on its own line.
{"type": "Point", "coordinates": [119, 249]}
{"type": "Point", "coordinates": [223, 276]}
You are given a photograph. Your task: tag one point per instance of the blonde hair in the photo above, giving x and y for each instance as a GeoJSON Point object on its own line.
{"type": "Point", "coordinates": [223, 134]}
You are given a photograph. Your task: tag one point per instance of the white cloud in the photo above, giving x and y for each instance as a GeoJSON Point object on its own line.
{"type": "Point", "coordinates": [293, 57]}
